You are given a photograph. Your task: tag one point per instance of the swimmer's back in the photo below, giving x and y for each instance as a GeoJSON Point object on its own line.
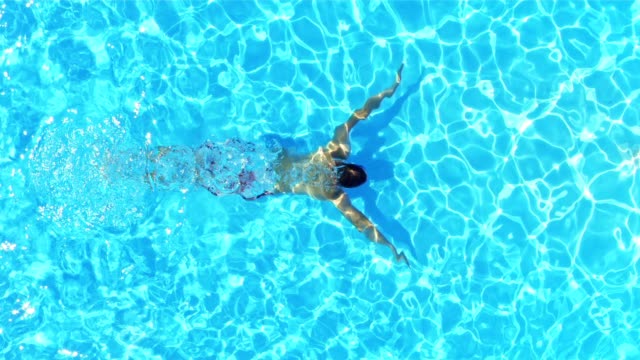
{"type": "Point", "coordinates": [311, 174]}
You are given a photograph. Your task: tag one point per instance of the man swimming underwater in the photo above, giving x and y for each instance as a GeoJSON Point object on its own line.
{"type": "Point", "coordinates": [235, 167]}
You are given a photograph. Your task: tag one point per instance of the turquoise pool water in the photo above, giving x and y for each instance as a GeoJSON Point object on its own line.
{"type": "Point", "coordinates": [506, 166]}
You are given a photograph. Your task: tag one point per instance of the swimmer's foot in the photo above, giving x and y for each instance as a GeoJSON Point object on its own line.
{"type": "Point", "coordinates": [374, 101]}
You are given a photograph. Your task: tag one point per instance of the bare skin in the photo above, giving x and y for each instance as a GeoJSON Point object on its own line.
{"type": "Point", "coordinates": [324, 186]}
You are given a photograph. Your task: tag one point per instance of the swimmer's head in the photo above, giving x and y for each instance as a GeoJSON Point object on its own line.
{"type": "Point", "coordinates": [351, 175]}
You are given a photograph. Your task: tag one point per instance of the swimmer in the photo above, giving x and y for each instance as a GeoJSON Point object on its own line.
{"type": "Point", "coordinates": [236, 167]}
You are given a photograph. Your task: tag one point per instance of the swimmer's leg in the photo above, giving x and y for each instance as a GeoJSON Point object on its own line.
{"type": "Point", "coordinates": [340, 146]}
{"type": "Point", "coordinates": [153, 157]}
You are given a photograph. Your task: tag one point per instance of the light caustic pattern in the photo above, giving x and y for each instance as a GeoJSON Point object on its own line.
{"type": "Point", "coordinates": [508, 164]}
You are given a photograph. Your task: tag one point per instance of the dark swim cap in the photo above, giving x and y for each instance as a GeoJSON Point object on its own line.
{"type": "Point", "coordinates": [351, 175]}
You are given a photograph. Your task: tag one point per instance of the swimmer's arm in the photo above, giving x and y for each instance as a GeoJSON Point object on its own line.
{"type": "Point", "coordinates": [364, 225]}
{"type": "Point", "coordinates": [340, 147]}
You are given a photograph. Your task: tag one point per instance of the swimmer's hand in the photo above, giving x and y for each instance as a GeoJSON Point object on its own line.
{"type": "Point", "coordinates": [365, 225]}
{"type": "Point", "coordinates": [340, 146]}
{"type": "Point", "coordinates": [374, 101]}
